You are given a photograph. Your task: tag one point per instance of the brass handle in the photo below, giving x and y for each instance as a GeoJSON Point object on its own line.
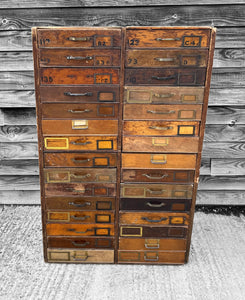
{"type": "Point", "coordinates": [77, 94]}
{"type": "Point", "coordinates": [79, 57]}
{"type": "Point", "coordinates": [167, 39]}
{"type": "Point", "coordinates": [80, 218]}
{"type": "Point", "coordinates": [159, 161]}
{"type": "Point", "coordinates": [164, 59]}
{"type": "Point", "coordinates": [80, 176]}
{"type": "Point", "coordinates": [151, 259]}
{"type": "Point", "coordinates": [161, 128]}
{"type": "Point", "coordinates": [80, 204]}
{"type": "Point", "coordinates": [152, 246]}
{"type": "Point", "coordinates": [155, 204]}
{"type": "Point", "coordinates": [155, 177]}
{"type": "Point", "coordinates": [80, 259]}
{"type": "Point", "coordinates": [79, 111]}
{"type": "Point", "coordinates": [78, 161]}
{"type": "Point", "coordinates": [164, 78]}
{"type": "Point", "coordinates": [163, 95]}
{"type": "Point", "coordinates": [155, 192]}
{"type": "Point", "coordinates": [77, 191]}
{"type": "Point", "coordinates": [153, 221]}
{"type": "Point", "coordinates": [80, 245]}
{"type": "Point", "coordinates": [158, 112]}
{"type": "Point", "coordinates": [79, 39]}
{"type": "Point", "coordinates": [83, 144]}
{"type": "Point", "coordinates": [74, 230]}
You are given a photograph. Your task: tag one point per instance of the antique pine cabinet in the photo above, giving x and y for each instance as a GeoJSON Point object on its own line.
{"type": "Point", "coordinates": [121, 115]}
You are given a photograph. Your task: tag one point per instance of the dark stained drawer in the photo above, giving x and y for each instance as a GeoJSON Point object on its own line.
{"type": "Point", "coordinates": [88, 242]}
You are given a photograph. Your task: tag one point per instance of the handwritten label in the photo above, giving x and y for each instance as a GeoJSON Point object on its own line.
{"type": "Point", "coordinates": [192, 41]}
{"type": "Point", "coordinates": [103, 41]}
{"type": "Point", "coordinates": [102, 78]}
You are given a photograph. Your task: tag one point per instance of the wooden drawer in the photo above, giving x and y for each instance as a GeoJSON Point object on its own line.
{"type": "Point", "coordinates": [80, 229]}
{"type": "Point", "coordinates": [153, 218]}
{"type": "Point", "coordinates": [78, 126]}
{"type": "Point", "coordinates": [161, 76]}
{"type": "Point", "coordinates": [173, 205]}
{"type": "Point", "coordinates": [183, 58]}
{"type": "Point", "coordinates": [80, 37]}
{"type": "Point", "coordinates": [167, 38]}
{"type": "Point", "coordinates": [78, 57]}
{"type": "Point", "coordinates": [160, 144]}
{"type": "Point", "coordinates": [51, 76]}
{"type": "Point", "coordinates": [80, 217]}
{"type": "Point", "coordinates": [79, 94]}
{"type": "Point", "coordinates": [157, 175]}
{"type": "Point", "coordinates": [80, 189]}
{"type": "Point", "coordinates": [81, 256]}
{"type": "Point", "coordinates": [153, 231]}
{"type": "Point", "coordinates": [160, 128]}
{"type": "Point", "coordinates": [78, 203]}
{"type": "Point", "coordinates": [167, 191]}
{"type": "Point", "coordinates": [151, 257]}
{"type": "Point", "coordinates": [95, 160]}
{"type": "Point", "coordinates": [159, 160]}
{"type": "Point", "coordinates": [66, 175]}
{"type": "Point", "coordinates": [88, 242]}
{"type": "Point", "coordinates": [152, 244]}
{"type": "Point", "coordinates": [81, 143]}
{"type": "Point", "coordinates": [162, 112]}
{"type": "Point", "coordinates": [163, 95]}
{"type": "Point", "coordinates": [85, 111]}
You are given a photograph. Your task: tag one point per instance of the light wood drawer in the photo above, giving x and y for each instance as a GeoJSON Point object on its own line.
{"type": "Point", "coordinates": [74, 242]}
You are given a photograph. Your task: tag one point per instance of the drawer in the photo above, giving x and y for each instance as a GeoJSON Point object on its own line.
{"type": "Point", "coordinates": [163, 95]}
{"type": "Point", "coordinates": [66, 175]}
{"type": "Point", "coordinates": [157, 175]}
{"type": "Point", "coordinates": [80, 217]}
{"type": "Point", "coordinates": [160, 128]}
{"type": "Point", "coordinates": [81, 256]}
{"type": "Point", "coordinates": [85, 111]}
{"type": "Point", "coordinates": [171, 191]}
{"type": "Point", "coordinates": [167, 38]}
{"type": "Point", "coordinates": [80, 189]}
{"type": "Point", "coordinates": [81, 37]}
{"type": "Point", "coordinates": [153, 218]}
{"type": "Point", "coordinates": [78, 126]}
{"type": "Point", "coordinates": [78, 203]}
{"type": "Point", "coordinates": [79, 229]}
{"type": "Point", "coordinates": [79, 76]}
{"type": "Point", "coordinates": [183, 58]}
{"type": "Point", "coordinates": [88, 242]}
{"type": "Point", "coordinates": [151, 257]}
{"type": "Point", "coordinates": [79, 94]}
{"type": "Point", "coordinates": [152, 244]}
{"type": "Point", "coordinates": [160, 144]}
{"type": "Point", "coordinates": [95, 160]}
{"type": "Point", "coordinates": [153, 231]}
{"type": "Point", "coordinates": [162, 112]}
{"type": "Point", "coordinates": [173, 205]}
{"type": "Point", "coordinates": [82, 143]}
{"type": "Point", "coordinates": [158, 160]}
{"type": "Point", "coordinates": [78, 57]}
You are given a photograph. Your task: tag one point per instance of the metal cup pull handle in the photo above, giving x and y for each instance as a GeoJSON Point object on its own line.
{"type": "Point", "coordinates": [74, 230]}
{"type": "Point", "coordinates": [159, 112]}
{"type": "Point", "coordinates": [161, 161]}
{"type": "Point", "coordinates": [153, 221]}
{"type": "Point", "coordinates": [155, 204]}
{"type": "Point", "coordinates": [152, 244]}
{"type": "Point", "coordinates": [163, 95]}
{"type": "Point", "coordinates": [79, 111]}
{"type": "Point", "coordinates": [161, 127]}
{"type": "Point", "coordinates": [146, 258]}
{"type": "Point", "coordinates": [164, 78]}
{"type": "Point", "coordinates": [79, 39]}
{"type": "Point", "coordinates": [165, 59]}
{"type": "Point", "coordinates": [80, 204]}
{"type": "Point", "coordinates": [81, 143]}
{"type": "Point", "coordinates": [78, 94]}
{"type": "Point", "coordinates": [80, 244]}
{"type": "Point", "coordinates": [155, 177]}
{"type": "Point", "coordinates": [79, 57]}
{"type": "Point", "coordinates": [83, 218]}
{"type": "Point", "coordinates": [80, 176]}
{"type": "Point", "coordinates": [80, 161]}
{"type": "Point", "coordinates": [154, 192]}
{"type": "Point", "coordinates": [167, 39]}
{"type": "Point", "coordinates": [77, 258]}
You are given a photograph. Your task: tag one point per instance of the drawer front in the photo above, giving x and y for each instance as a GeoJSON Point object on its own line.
{"type": "Point", "coordinates": [151, 257]}
{"type": "Point", "coordinates": [167, 38]}
{"type": "Point", "coordinates": [80, 217]}
{"type": "Point", "coordinates": [77, 57]}
{"type": "Point", "coordinates": [160, 128]}
{"type": "Point", "coordinates": [171, 191]}
{"type": "Point", "coordinates": [165, 76]}
{"type": "Point", "coordinates": [51, 76]}
{"type": "Point", "coordinates": [78, 203]}
{"type": "Point", "coordinates": [152, 244]}
{"type": "Point", "coordinates": [81, 37]}
{"type": "Point", "coordinates": [85, 111]}
{"type": "Point", "coordinates": [79, 175]}
{"type": "Point", "coordinates": [81, 256]}
{"type": "Point", "coordinates": [71, 242]}
{"type": "Point", "coordinates": [79, 229]}
{"type": "Point", "coordinates": [78, 126]}
{"type": "Point", "coordinates": [160, 144]}
{"type": "Point", "coordinates": [95, 160]}
{"type": "Point", "coordinates": [157, 175]}
{"type": "Point", "coordinates": [153, 218]}
{"type": "Point", "coordinates": [164, 95]}
{"type": "Point", "coordinates": [176, 205]}
{"type": "Point", "coordinates": [153, 231]}
{"type": "Point", "coordinates": [82, 143]}
{"type": "Point", "coordinates": [162, 112]}
{"type": "Point", "coordinates": [80, 189]}
{"type": "Point", "coordinates": [166, 58]}
{"type": "Point", "coordinates": [79, 94]}
{"type": "Point", "coordinates": [157, 161]}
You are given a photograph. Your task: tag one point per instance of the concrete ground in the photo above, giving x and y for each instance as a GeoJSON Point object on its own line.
{"type": "Point", "coordinates": [216, 269]}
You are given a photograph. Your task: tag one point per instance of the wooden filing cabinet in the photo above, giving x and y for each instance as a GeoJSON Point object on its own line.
{"type": "Point", "coordinates": [121, 116]}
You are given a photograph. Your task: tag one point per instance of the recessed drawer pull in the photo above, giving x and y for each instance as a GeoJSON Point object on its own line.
{"type": "Point", "coordinates": [158, 112]}
{"type": "Point", "coordinates": [161, 128]}
{"type": "Point", "coordinates": [79, 57]}
{"type": "Point", "coordinates": [80, 204]}
{"type": "Point", "coordinates": [79, 143]}
{"type": "Point", "coordinates": [153, 221]}
{"type": "Point", "coordinates": [155, 177]}
{"type": "Point", "coordinates": [80, 218]}
{"type": "Point", "coordinates": [74, 230]}
{"type": "Point", "coordinates": [155, 204]}
{"type": "Point", "coordinates": [79, 161]}
{"type": "Point", "coordinates": [79, 39]}
{"type": "Point", "coordinates": [164, 59]}
{"type": "Point", "coordinates": [80, 176]}
{"type": "Point", "coordinates": [163, 78]}
{"type": "Point", "coordinates": [150, 259]}
{"type": "Point", "coordinates": [79, 111]}
{"type": "Point", "coordinates": [78, 94]}
{"type": "Point", "coordinates": [159, 192]}
{"type": "Point", "coordinates": [80, 244]}
{"type": "Point", "coordinates": [163, 95]}
{"type": "Point", "coordinates": [167, 39]}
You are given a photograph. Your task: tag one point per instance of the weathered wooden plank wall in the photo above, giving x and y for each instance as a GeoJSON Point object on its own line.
{"type": "Point", "coordinates": [222, 174]}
